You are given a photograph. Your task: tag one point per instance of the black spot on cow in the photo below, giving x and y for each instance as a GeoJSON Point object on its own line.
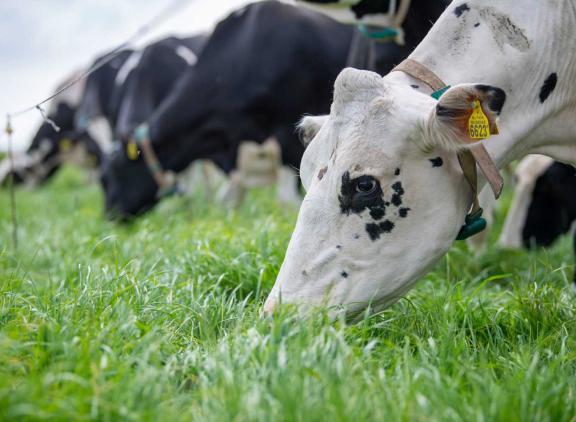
{"type": "Point", "coordinates": [304, 273]}
{"type": "Point", "coordinates": [437, 162]}
{"type": "Point", "coordinates": [322, 172]}
{"type": "Point", "coordinates": [378, 213]}
{"type": "Point", "coordinates": [477, 24]}
{"type": "Point", "coordinates": [339, 247]}
{"type": "Point", "coordinates": [364, 193]}
{"type": "Point", "coordinates": [344, 274]}
{"type": "Point", "coordinates": [397, 172]}
{"type": "Point", "coordinates": [398, 194]}
{"type": "Point", "coordinates": [375, 230]}
{"type": "Point", "coordinates": [397, 187]}
{"type": "Point", "coordinates": [415, 86]}
{"type": "Point", "coordinates": [460, 10]}
{"type": "Point", "coordinates": [356, 236]}
{"type": "Point", "coordinates": [353, 200]}
{"type": "Point", "coordinates": [548, 87]}
{"type": "Point", "coordinates": [403, 212]}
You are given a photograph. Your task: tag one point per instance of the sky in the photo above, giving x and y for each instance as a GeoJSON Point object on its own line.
{"type": "Point", "coordinates": [43, 41]}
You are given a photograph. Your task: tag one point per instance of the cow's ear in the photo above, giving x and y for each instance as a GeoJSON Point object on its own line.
{"type": "Point", "coordinates": [309, 127]}
{"type": "Point", "coordinates": [465, 114]}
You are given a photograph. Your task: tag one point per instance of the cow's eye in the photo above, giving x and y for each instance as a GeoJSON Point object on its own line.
{"type": "Point", "coordinates": [366, 185]}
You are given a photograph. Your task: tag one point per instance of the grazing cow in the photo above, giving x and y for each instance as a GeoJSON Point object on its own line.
{"type": "Point", "coordinates": [125, 91]}
{"type": "Point", "coordinates": [148, 77]}
{"type": "Point", "coordinates": [50, 147]}
{"type": "Point", "coordinates": [230, 96]}
{"type": "Point", "coordinates": [391, 174]}
{"type": "Point", "coordinates": [101, 99]}
{"type": "Point", "coordinates": [245, 86]}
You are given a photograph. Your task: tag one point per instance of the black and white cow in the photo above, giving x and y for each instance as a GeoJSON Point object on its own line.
{"type": "Point", "coordinates": [50, 148]}
{"type": "Point", "coordinates": [124, 93]}
{"type": "Point", "coordinates": [373, 48]}
{"type": "Point", "coordinates": [148, 77]}
{"type": "Point", "coordinates": [245, 87]}
{"type": "Point", "coordinates": [252, 82]}
{"type": "Point", "coordinates": [387, 190]}
{"type": "Point", "coordinates": [101, 99]}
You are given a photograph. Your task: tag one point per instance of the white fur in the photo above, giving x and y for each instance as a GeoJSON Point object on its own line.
{"type": "Point", "coordinates": [377, 125]}
{"type": "Point", "coordinates": [187, 55]}
{"type": "Point", "coordinates": [128, 66]}
{"type": "Point", "coordinates": [99, 129]}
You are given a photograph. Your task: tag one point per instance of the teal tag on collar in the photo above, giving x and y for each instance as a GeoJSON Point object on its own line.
{"type": "Point", "coordinates": [141, 133]}
{"type": "Point", "coordinates": [379, 34]}
{"type": "Point", "coordinates": [437, 94]}
{"type": "Point", "coordinates": [473, 225]}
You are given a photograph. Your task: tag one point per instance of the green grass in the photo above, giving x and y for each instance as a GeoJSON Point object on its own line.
{"type": "Point", "coordinates": [159, 320]}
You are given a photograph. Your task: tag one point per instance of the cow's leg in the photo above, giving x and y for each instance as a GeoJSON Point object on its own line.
{"type": "Point", "coordinates": [574, 246]}
{"type": "Point", "coordinates": [511, 236]}
{"type": "Point", "coordinates": [233, 193]}
{"type": "Point", "coordinates": [288, 183]}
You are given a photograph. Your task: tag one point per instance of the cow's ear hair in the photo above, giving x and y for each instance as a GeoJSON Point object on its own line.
{"type": "Point", "coordinates": [448, 123]}
{"type": "Point", "coordinates": [309, 127]}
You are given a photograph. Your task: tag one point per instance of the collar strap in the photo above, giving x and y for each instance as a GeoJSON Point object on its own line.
{"type": "Point", "coordinates": [467, 158]}
{"type": "Point", "coordinates": [165, 180]}
{"type": "Point", "coordinates": [393, 31]}
{"type": "Point", "coordinates": [418, 71]}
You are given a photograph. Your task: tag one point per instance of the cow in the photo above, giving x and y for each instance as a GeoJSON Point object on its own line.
{"type": "Point", "coordinates": [387, 30]}
{"type": "Point", "coordinates": [252, 82]}
{"type": "Point", "coordinates": [544, 204]}
{"type": "Point", "coordinates": [147, 77]}
{"type": "Point", "coordinates": [391, 174]}
{"type": "Point", "coordinates": [242, 88]}
{"type": "Point", "coordinates": [55, 142]}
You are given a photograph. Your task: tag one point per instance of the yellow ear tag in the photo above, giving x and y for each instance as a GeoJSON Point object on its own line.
{"type": "Point", "coordinates": [478, 125]}
{"type": "Point", "coordinates": [65, 144]}
{"type": "Point", "coordinates": [132, 151]}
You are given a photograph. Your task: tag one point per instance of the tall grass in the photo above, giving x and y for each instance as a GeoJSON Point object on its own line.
{"type": "Point", "coordinates": [159, 320]}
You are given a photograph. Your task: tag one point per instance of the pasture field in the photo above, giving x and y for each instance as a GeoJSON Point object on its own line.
{"type": "Point", "coordinates": [159, 320]}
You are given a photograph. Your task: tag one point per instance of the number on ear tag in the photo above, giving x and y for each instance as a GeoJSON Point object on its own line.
{"type": "Point", "coordinates": [132, 151]}
{"type": "Point", "coordinates": [478, 124]}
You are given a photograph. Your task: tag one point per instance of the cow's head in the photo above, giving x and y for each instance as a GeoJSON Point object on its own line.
{"type": "Point", "coordinates": [130, 188]}
{"type": "Point", "coordinates": [128, 185]}
{"type": "Point", "coordinates": [50, 148]}
{"type": "Point", "coordinates": [385, 194]}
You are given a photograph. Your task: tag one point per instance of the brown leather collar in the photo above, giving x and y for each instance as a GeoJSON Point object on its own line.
{"type": "Point", "coordinates": [467, 158]}
{"type": "Point", "coordinates": [166, 180]}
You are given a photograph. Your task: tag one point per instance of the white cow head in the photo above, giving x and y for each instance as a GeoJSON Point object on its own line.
{"type": "Point", "coordinates": [385, 194]}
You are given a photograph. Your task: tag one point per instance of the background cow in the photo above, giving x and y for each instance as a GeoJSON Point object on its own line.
{"type": "Point", "coordinates": [55, 142]}
{"type": "Point", "coordinates": [246, 87]}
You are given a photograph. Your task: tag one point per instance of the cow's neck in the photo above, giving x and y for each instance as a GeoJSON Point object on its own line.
{"type": "Point", "coordinates": [517, 49]}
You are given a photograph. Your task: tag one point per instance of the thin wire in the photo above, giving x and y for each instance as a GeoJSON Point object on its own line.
{"type": "Point", "coordinates": [9, 132]}
{"type": "Point", "coordinates": [164, 14]}
{"type": "Point", "coordinates": [108, 57]}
